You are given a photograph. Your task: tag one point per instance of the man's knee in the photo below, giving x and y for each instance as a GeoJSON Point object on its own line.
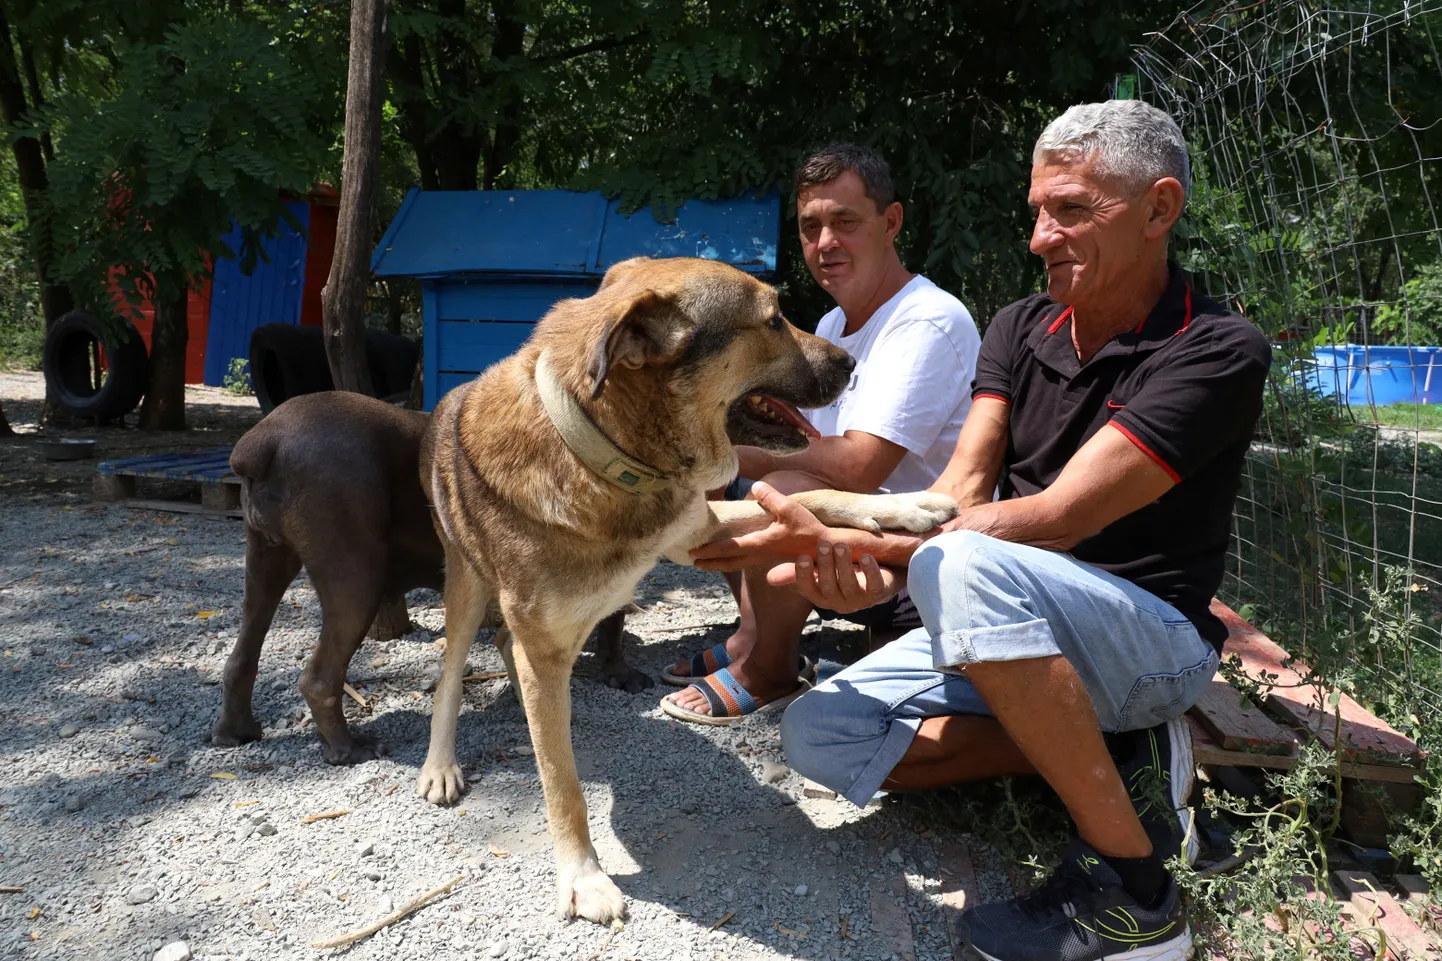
{"type": "Point", "coordinates": [955, 562]}
{"type": "Point", "coordinates": [810, 737]}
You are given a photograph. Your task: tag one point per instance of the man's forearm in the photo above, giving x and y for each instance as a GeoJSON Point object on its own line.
{"type": "Point", "coordinates": [1033, 520]}
{"type": "Point", "coordinates": [856, 462]}
{"type": "Point", "coordinates": [889, 549]}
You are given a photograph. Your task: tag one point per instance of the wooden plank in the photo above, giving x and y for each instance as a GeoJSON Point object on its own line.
{"type": "Point", "coordinates": [1364, 736]}
{"type": "Point", "coordinates": [182, 507]}
{"type": "Point", "coordinates": [220, 497]}
{"type": "Point", "coordinates": [1412, 885]}
{"type": "Point", "coordinates": [1237, 727]}
{"type": "Point", "coordinates": [162, 462]}
{"type": "Point", "coordinates": [107, 487]}
{"type": "Point", "coordinates": [958, 891]}
{"type": "Point", "coordinates": [1208, 753]}
{"type": "Point", "coordinates": [1373, 906]}
{"type": "Point", "coordinates": [890, 919]}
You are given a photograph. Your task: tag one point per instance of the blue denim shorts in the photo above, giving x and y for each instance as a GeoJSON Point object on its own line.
{"type": "Point", "coordinates": [981, 599]}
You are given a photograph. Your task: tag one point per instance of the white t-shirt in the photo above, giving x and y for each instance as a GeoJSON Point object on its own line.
{"type": "Point", "coordinates": [915, 362]}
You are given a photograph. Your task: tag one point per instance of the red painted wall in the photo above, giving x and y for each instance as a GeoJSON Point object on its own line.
{"type": "Point", "coordinates": [197, 322]}
{"type": "Point", "coordinates": [319, 253]}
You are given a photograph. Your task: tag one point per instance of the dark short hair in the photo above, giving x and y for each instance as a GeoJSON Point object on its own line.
{"type": "Point", "coordinates": [835, 159]}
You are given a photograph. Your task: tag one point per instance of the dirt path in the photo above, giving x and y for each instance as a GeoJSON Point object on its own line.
{"type": "Point", "coordinates": [128, 831]}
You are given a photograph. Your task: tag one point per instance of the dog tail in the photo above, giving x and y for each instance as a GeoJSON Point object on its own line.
{"type": "Point", "coordinates": [259, 503]}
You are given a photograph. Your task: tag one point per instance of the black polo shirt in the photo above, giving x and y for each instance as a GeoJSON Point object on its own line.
{"type": "Point", "coordinates": [1185, 387]}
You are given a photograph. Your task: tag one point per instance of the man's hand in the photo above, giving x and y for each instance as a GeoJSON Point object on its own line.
{"type": "Point", "coordinates": [834, 583]}
{"type": "Point", "coordinates": [793, 530]}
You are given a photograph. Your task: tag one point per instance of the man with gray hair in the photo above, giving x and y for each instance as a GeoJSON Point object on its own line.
{"type": "Point", "coordinates": [1066, 624]}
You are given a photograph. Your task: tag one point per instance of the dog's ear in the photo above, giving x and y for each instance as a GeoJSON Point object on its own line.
{"type": "Point", "coordinates": [621, 269]}
{"type": "Point", "coordinates": [644, 327]}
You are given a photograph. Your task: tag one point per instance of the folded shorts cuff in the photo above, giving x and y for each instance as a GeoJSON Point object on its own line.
{"type": "Point", "coordinates": [954, 650]}
{"type": "Point", "coordinates": [899, 735]}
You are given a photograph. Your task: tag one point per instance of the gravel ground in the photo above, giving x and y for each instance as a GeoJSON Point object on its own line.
{"type": "Point", "coordinates": [128, 832]}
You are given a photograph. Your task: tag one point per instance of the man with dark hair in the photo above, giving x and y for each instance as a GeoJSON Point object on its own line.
{"type": "Point", "coordinates": [892, 430]}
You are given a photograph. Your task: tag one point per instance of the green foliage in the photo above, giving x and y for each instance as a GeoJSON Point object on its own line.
{"type": "Point", "coordinates": [1262, 911]}
{"type": "Point", "coordinates": [237, 377]}
{"type": "Point", "coordinates": [1410, 416]}
{"type": "Point", "coordinates": [22, 329]}
{"type": "Point", "coordinates": [1419, 838]}
{"type": "Point", "coordinates": [1416, 316]}
{"type": "Point", "coordinates": [212, 121]}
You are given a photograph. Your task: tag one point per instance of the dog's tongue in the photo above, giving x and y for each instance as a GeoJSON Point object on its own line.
{"type": "Point", "coordinates": [793, 417]}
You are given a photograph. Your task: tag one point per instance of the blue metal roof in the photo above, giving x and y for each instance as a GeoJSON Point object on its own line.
{"type": "Point", "coordinates": [442, 232]}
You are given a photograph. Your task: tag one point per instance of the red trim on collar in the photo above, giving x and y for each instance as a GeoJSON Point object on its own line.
{"type": "Point", "coordinates": [1056, 324]}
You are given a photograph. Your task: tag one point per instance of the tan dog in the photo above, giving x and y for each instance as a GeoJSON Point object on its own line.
{"type": "Point", "coordinates": [560, 476]}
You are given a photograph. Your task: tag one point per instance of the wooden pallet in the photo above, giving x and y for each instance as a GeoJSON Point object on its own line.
{"type": "Point", "coordinates": [1226, 731]}
{"type": "Point", "coordinates": [116, 480]}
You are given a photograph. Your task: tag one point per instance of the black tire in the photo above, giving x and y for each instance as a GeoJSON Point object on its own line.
{"type": "Point", "coordinates": [392, 360]}
{"type": "Point", "coordinates": [69, 361]}
{"type": "Point", "coordinates": [287, 361]}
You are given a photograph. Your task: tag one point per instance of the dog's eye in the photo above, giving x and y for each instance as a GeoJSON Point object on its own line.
{"type": "Point", "coordinates": [775, 322]}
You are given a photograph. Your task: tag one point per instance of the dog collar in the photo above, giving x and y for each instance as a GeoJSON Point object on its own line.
{"type": "Point", "coordinates": [587, 441]}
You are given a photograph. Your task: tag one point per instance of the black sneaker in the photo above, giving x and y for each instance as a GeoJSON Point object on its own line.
{"type": "Point", "coordinates": [1081, 913]}
{"type": "Point", "coordinates": [1159, 770]}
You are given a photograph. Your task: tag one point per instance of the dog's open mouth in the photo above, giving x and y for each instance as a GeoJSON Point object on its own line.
{"type": "Point", "coordinates": [765, 416]}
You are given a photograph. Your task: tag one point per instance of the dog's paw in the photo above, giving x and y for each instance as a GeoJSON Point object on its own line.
{"type": "Point", "coordinates": [624, 677]}
{"type": "Point", "coordinates": [584, 891]}
{"type": "Point", "coordinates": [914, 512]}
{"type": "Point", "coordinates": [233, 732]}
{"type": "Point", "coordinates": [355, 750]}
{"type": "Point", "coordinates": [440, 783]}
{"type": "Point", "coordinates": [918, 512]}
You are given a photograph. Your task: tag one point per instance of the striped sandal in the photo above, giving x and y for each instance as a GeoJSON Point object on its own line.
{"type": "Point", "coordinates": [710, 661]}
{"type": "Point", "coordinates": [729, 701]}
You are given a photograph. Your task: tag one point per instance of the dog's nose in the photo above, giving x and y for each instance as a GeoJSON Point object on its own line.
{"type": "Point", "coordinates": [848, 363]}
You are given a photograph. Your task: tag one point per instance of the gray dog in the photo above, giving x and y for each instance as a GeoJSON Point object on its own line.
{"type": "Point", "coordinates": [331, 483]}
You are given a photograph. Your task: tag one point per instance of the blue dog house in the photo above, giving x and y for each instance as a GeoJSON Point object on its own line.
{"type": "Point", "coordinates": [492, 263]}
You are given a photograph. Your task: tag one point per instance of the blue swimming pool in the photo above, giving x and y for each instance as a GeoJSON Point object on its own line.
{"type": "Point", "coordinates": [1378, 375]}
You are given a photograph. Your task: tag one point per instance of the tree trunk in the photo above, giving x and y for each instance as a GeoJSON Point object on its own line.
{"type": "Point", "coordinates": [55, 297]}
{"type": "Point", "coordinates": [343, 299]}
{"type": "Point", "coordinates": [164, 404]}
{"type": "Point", "coordinates": [5, 429]}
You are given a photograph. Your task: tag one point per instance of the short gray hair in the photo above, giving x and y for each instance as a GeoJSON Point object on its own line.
{"type": "Point", "coordinates": [1129, 140]}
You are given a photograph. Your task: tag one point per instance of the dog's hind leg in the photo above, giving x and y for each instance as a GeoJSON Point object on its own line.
{"type": "Point", "coordinates": [349, 591]}
{"type": "Point", "coordinates": [615, 672]}
{"type": "Point", "coordinates": [543, 665]}
{"type": "Point", "coordinates": [506, 643]}
{"type": "Point", "coordinates": [269, 569]}
{"type": "Point", "coordinates": [467, 598]}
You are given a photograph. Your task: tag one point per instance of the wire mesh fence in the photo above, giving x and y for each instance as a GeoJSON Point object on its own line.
{"type": "Point", "coordinates": [1316, 137]}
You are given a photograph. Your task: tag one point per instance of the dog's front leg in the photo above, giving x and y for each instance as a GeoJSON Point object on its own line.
{"type": "Point", "coordinates": [543, 665]}
{"type": "Point", "coordinates": [467, 597]}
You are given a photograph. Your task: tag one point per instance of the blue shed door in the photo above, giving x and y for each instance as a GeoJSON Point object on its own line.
{"type": "Point", "coordinates": [479, 322]}
{"type": "Point", "coordinates": [270, 295]}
